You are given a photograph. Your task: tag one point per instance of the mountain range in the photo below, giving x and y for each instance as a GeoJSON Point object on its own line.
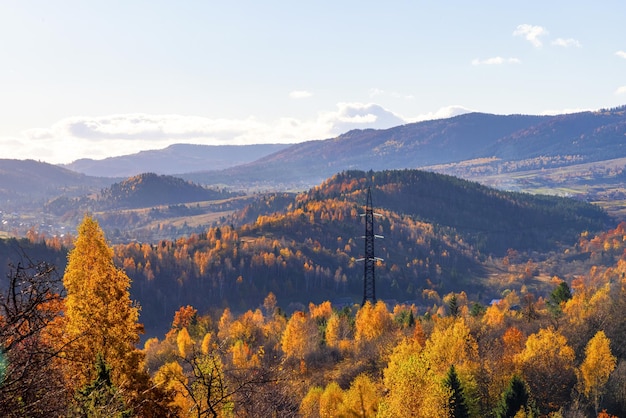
{"type": "Point", "coordinates": [472, 146]}
{"type": "Point", "coordinates": [581, 154]}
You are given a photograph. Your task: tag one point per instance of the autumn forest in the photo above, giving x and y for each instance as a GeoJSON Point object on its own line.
{"type": "Point", "coordinates": [490, 304]}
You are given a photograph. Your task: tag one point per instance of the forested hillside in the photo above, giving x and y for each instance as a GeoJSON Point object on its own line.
{"type": "Point", "coordinates": [554, 354]}
{"type": "Point", "coordinates": [438, 230]}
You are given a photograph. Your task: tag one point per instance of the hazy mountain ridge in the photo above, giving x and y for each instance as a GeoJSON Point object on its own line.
{"type": "Point", "coordinates": [508, 141]}
{"type": "Point", "coordinates": [580, 154]}
{"type": "Point", "coordinates": [503, 139]}
{"type": "Point", "coordinates": [177, 158]}
{"type": "Point", "coordinates": [595, 135]}
{"type": "Point", "coordinates": [27, 182]}
{"type": "Point", "coordinates": [407, 146]}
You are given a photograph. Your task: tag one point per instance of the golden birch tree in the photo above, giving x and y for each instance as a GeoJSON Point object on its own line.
{"type": "Point", "coordinates": [595, 370]}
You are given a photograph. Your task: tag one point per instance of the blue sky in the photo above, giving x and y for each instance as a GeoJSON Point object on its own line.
{"type": "Point", "coordinates": [91, 79]}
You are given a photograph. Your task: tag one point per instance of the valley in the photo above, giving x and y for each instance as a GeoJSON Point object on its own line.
{"type": "Point", "coordinates": [254, 270]}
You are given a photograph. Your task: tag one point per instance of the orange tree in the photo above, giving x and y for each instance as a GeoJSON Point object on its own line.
{"type": "Point", "coordinates": [101, 319]}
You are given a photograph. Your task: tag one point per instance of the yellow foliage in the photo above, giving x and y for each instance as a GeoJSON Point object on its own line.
{"type": "Point", "coordinates": [547, 365]}
{"type": "Point", "coordinates": [243, 357]}
{"type": "Point", "coordinates": [172, 378]}
{"type": "Point", "coordinates": [310, 405]}
{"type": "Point", "coordinates": [207, 343]}
{"type": "Point", "coordinates": [223, 327]}
{"type": "Point", "coordinates": [413, 389]}
{"type": "Point", "coordinates": [493, 317]}
{"type": "Point", "coordinates": [361, 399]}
{"type": "Point", "coordinates": [452, 344]}
{"type": "Point", "coordinates": [184, 343]}
{"type": "Point", "coordinates": [150, 343]}
{"type": "Point", "coordinates": [323, 310]}
{"type": "Point", "coordinates": [372, 322]}
{"type": "Point", "coordinates": [586, 302]}
{"type": "Point", "coordinates": [300, 337]}
{"type": "Point", "coordinates": [100, 316]}
{"type": "Point", "coordinates": [337, 331]}
{"type": "Point", "coordinates": [598, 365]}
{"type": "Point", "coordinates": [545, 345]}
{"type": "Point", "coordinates": [331, 400]}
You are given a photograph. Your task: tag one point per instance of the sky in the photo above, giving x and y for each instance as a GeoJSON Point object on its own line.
{"type": "Point", "coordinates": [94, 79]}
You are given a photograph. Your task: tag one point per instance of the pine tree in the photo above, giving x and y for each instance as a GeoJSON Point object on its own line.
{"type": "Point", "coordinates": [458, 406]}
{"type": "Point", "coordinates": [559, 295]}
{"type": "Point", "coordinates": [514, 399]}
{"type": "Point", "coordinates": [100, 398]}
{"type": "Point", "coordinates": [453, 306]}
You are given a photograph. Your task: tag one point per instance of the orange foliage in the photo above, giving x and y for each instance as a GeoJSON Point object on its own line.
{"type": "Point", "coordinates": [184, 317]}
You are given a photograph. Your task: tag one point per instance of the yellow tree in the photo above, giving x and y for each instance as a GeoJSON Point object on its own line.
{"type": "Point", "coordinates": [375, 331]}
{"type": "Point", "coordinates": [547, 365]}
{"type": "Point", "coordinates": [413, 389]}
{"type": "Point", "coordinates": [100, 317]}
{"type": "Point", "coordinates": [338, 331]}
{"type": "Point", "coordinates": [595, 370]}
{"type": "Point", "coordinates": [452, 344]}
{"type": "Point", "coordinates": [372, 322]}
{"type": "Point", "coordinates": [362, 399]}
{"type": "Point", "coordinates": [331, 401]}
{"type": "Point", "coordinates": [310, 405]}
{"type": "Point", "coordinates": [301, 336]}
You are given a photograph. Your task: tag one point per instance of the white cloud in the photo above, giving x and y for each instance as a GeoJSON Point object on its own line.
{"type": "Point", "coordinates": [359, 116]}
{"type": "Point", "coordinates": [300, 94]}
{"type": "Point", "coordinates": [531, 33]}
{"type": "Point", "coordinates": [566, 43]}
{"type": "Point", "coordinates": [376, 92]}
{"type": "Point", "coordinates": [621, 54]}
{"type": "Point", "coordinates": [495, 61]}
{"type": "Point", "coordinates": [620, 90]}
{"type": "Point", "coordinates": [143, 127]}
{"type": "Point", "coordinates": [442, 113]}
{"type": "Point", "coordinates": [106, 136]}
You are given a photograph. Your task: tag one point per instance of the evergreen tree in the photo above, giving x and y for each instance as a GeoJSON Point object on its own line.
{"type": "Point", "coordinates": [100, 398]}
{"type": "Point", "coordinates": [453, 306]}
{"type": "Point", "coordinates": [515, 398]}
{"type": "Point", "coordinates": [560, 294]}
{"type": "Point", "coordinates": [456, 401]}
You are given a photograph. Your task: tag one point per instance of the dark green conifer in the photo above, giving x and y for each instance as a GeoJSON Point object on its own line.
{"type": "Point", "coordinates": [515, 398]}
{"type": "Point", "coordinates": [457, 403]}
{"type": "Point", "coordinates": [561, 293]}
{"type": "Point", "coordinates": [100, 398]}
{"type": "Point", "coordinates": [453, 306]}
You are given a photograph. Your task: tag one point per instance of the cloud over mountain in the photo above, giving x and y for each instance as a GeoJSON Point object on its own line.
{"type": "Point", "coordinates": [99, 137]}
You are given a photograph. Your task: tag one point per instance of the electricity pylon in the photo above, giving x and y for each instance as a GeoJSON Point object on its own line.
{"type": "Point", "coordinates": [369, 258]}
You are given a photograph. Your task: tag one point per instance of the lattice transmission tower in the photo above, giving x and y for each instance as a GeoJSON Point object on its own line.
{"type": "Point", "coordinates": [369, 258]}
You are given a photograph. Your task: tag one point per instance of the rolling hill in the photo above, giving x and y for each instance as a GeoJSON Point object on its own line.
{"type": "Point", "coordinates": [25, 185]}
{"type": "Point", "coordinates": [439, 233]}
{"type": "Point", "coordinates": [149, 189]}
